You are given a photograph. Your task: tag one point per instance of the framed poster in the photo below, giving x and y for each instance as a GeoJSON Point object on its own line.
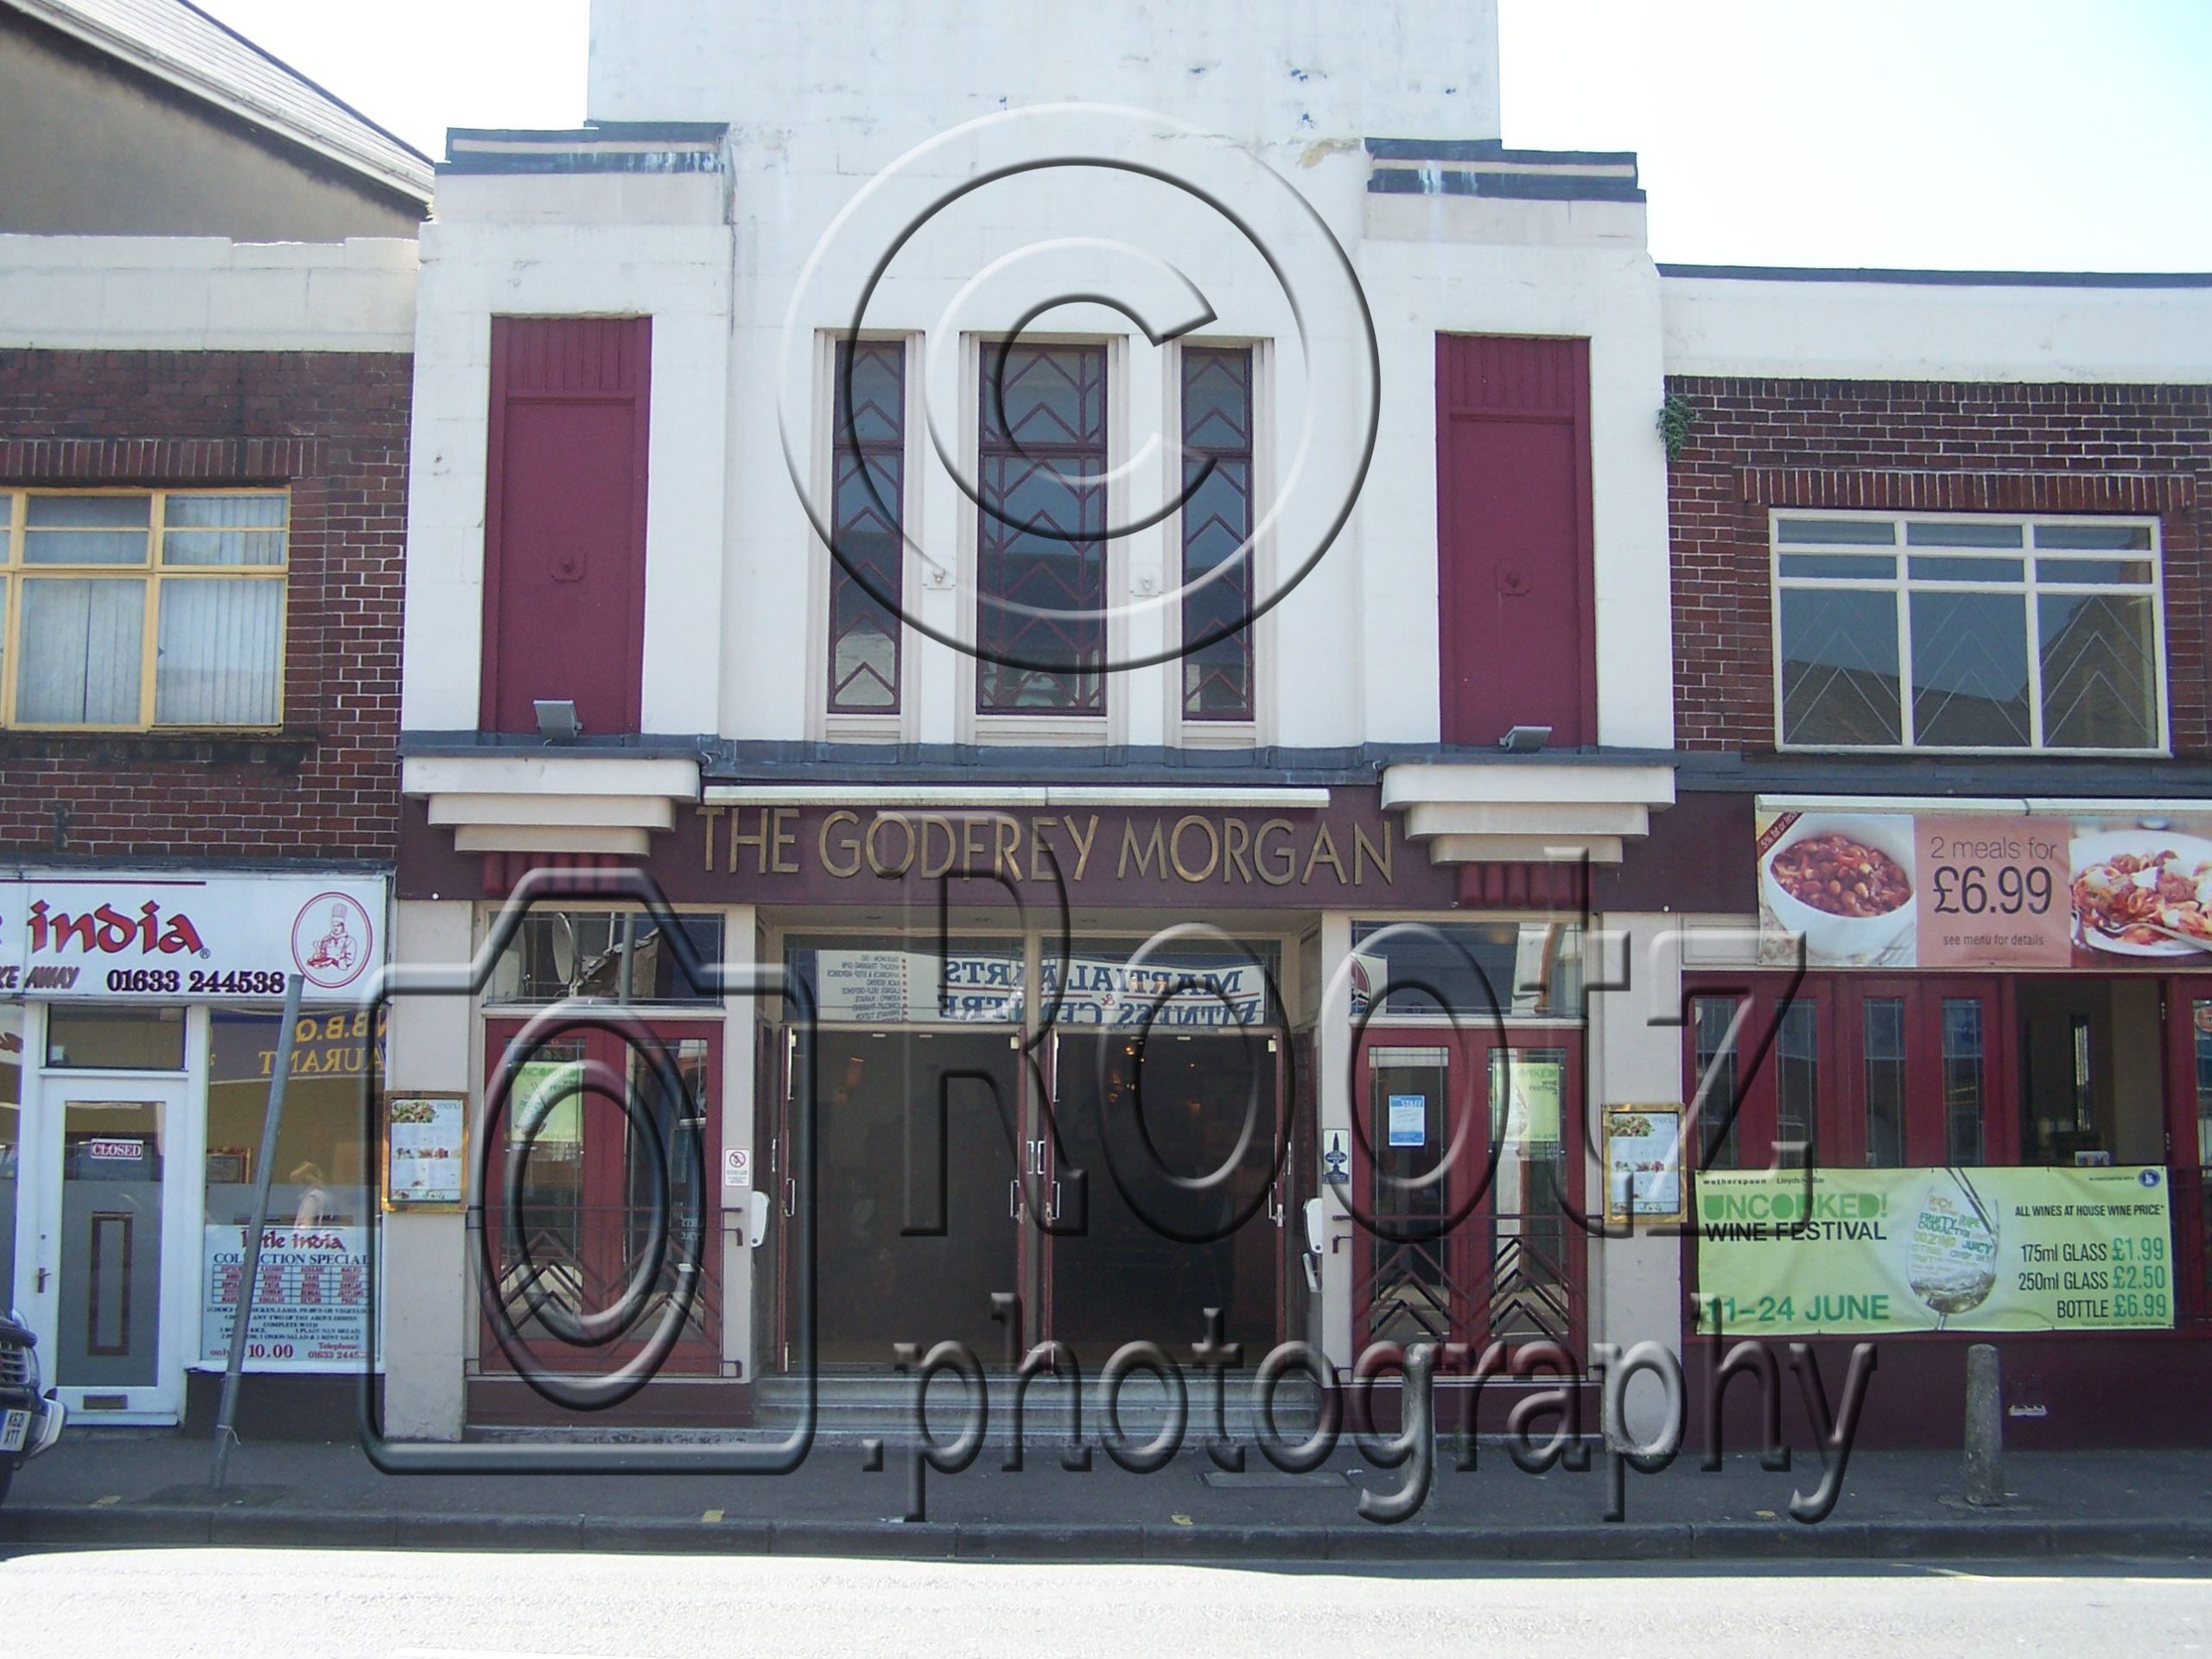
{"type": "Point", "coordinates": [425, 1150]}
{"type": "Point", "coordinates": [1643, 1164]}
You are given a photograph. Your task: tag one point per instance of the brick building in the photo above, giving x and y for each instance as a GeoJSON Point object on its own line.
{"type": "Point", "coordinates": [206, 391]}
{"type": "Point", "coordinates": [1941, 605]}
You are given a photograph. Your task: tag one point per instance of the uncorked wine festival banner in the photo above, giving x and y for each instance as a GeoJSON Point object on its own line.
{"type": "Point", "coordinates": [1847, 1250]}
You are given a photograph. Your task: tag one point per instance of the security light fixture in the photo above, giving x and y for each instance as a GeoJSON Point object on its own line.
{"type": "Point", "coordinates": [1522, 740]}
{"type": "Point", "coordinates": [556, 720]}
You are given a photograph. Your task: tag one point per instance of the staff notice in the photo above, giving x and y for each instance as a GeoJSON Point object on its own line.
{"type": "Point", "coordinates": [1933, 1250]}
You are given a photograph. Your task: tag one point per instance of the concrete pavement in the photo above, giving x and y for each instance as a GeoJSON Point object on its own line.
{"type": "Point", "coordinates": [120, 1487]}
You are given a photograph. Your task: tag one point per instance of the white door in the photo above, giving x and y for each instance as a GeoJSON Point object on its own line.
{"type": "Point", "coordinates": [109, 1278]}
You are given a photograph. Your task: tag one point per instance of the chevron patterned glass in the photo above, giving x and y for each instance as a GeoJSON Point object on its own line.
{"type": "Point", "coordinates": [867, 461]}
{"type": "Point", "coordinates": [1217, 525]}
{"type": "Point", "coordinates": [1969, 632]}
{"type": "Point", "coordinates": [1040, 623]}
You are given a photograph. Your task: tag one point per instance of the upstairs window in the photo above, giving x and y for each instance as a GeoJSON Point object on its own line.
{"type": "Point", "coordinates": [868, 469]}
{"type": "Point", "coordinates": [1975, 633]}
{"type": "Point", "coordinates": [1216, 526]}
{"type": "Point", "coordinates": [1040, 551]}
{"type": "Point", "coordinates": [129, 611]}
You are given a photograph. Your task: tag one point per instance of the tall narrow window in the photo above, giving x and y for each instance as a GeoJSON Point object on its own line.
{"type": "Point", "coordinates": [1713, 1017]}
{"type": "Point", "coordinates": [1962, 1081]}
{"type": "Point", "coordinates": [1797, 1086]}
{"type": "Point", "coordinates": [868, 463]}
{"type": "Point", "coordinates": [1885, 1062]}
{"type": "Point", "coordinates": [1040, 624]}
{"type": "Point", "coordinates": [1217, 525]}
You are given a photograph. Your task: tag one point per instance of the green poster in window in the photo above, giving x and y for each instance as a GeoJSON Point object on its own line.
{"type": "Point", "coordinates": [1533, 1097]}
{"type": "Point", "coordinates": [1791, 1253]}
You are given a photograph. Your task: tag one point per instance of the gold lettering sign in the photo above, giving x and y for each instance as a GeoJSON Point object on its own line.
{"type": "Point", "coordinates": [1192, 849]}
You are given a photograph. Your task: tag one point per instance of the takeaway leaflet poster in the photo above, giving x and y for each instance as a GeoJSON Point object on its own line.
{"type": "Point", "coordinates": [1957, 890]}
{"type": "Point", "coordinates": [1781, 1252]}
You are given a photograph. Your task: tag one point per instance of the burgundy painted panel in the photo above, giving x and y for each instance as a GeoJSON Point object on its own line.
{"type": "Point", "coordinates": [565, 520]}
{"type": "Point", "coordinates": [1514, 539]}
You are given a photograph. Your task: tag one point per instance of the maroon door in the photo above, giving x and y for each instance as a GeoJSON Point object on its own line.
{"type": "Point", "coordinates": [1514, 538]}
{"type": "Point", "coordinates": [1468, 1174]}
{"type": "Point", "coordinates": [589, 1203]}
{"type": "Point", "coordinates": [564, 532]}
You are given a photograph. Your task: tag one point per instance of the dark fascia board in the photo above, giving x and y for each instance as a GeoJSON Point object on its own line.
{"type": "Point", "coordinates": [1519, 186]}
{"type": "Point", "coordinates": [1491, 149]}
{"type": "Point", "coordinates": [621, 132]}
{"type": "Point", "coordinates": [1979, 776]}
{"type": "Point", "coordinates": [584, 161]}
{"type": "Point", "coordinates": [1944, 278]}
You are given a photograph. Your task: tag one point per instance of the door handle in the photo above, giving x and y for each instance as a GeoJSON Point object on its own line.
{"type": "Point", "coordinates": [38, 1289]}
{"type": "Point", "coordinates": [1275, 1203]}
{"type": "Point", "coordinates": [790, 1195]}
{"type": "Point", "coordinates": [1056, 1202]}
{"type": "Point", "coordinates": [1014, 1200]}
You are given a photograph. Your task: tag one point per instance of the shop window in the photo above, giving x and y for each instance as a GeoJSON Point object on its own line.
{"type": "Point", "coordinates": [131, 611]}
{"type": "Point", "coordinates": [603, 956]}
{"type": "Point", "coordinates": [1040, 553]}
{"type": "Point", "coordinates": [1526, 970]}
{"type": "Point", "coordinates": [320, 1176]}
{"type": "Point", "coordinates": [860, 980]}
{"type": "Point", "coordinates": [115, 1039]}
{"type": "Point", "coordinates": [1968, 633]}
{"type": "Point", "coordinates": [1216, 522]}
{"type": "Point", "coordinates": [1776, 1118]}
{"type": "Point", "coordinates": [868, 465]}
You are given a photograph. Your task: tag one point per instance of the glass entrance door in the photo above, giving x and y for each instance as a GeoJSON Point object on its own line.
{"type": "Point", "coordinates": [1177, 1135]}
{"type": "Point", "coordinates": [111, 1268]}
{"type": "Point", "coordinates": [917, 1201]}
{"type": "Point", "coordinates": [1467, 1165]}
{"type": "Point", "coordinates": [604, 1245]}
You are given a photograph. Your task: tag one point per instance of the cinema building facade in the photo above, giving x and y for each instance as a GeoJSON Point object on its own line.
{"type": "Point", "coordinates": [1061, 823]}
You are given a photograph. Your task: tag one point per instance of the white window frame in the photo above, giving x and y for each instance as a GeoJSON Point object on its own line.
{"type": "Point", "coordinates": [1109, 726]}
{"type": "Point", "coordinates": [1184, 731]}
{"type": "Point", "coordinates": [1901, 584]}
{"type": "Point", "coordinates": [826, 724]}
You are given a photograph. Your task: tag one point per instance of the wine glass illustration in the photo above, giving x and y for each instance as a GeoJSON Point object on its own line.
{"type": "Point", "coordinates": [1953, 1264]}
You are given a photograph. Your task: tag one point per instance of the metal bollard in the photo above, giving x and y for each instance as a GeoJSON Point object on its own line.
{"type": "Point", "coordinates": [1984, 1429]}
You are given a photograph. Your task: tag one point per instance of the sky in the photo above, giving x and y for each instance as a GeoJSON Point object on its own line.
{"type": "Point", "coordinates": [2060, 135]}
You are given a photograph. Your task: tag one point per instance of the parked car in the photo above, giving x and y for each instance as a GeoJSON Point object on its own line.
{"type": "Point", "coordinates": [29, 1421]}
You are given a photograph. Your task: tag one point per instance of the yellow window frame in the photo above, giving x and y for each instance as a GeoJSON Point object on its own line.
{"type": "Point", "coordinates": [154, 575]}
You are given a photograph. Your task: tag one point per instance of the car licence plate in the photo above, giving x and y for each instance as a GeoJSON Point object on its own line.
{"type": "Point", "coordinates": [14, 1429]}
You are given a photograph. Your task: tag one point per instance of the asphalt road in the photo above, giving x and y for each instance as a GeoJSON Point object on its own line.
{"type": "Point", "coordinates": [323, 1604]}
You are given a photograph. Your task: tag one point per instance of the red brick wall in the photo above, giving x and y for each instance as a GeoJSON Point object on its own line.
{"type": "Point", "coordinates": [333, 427]}
{"type": "Point", "coordinates": [1760, 444]}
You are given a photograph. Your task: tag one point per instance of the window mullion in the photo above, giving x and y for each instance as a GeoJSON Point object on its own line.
{"type": "Point", "coordinates": [2031, 619]}
{"type": "Point", "coordinates": [1907, 722]}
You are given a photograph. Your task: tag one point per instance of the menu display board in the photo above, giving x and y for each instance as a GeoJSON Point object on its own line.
{"type": "Point", "coordinates": [1643, 1163]}
{"type": "Point", "coordinates": [426, 1151]}
{"type": "Point", "coordinates": [1956, 890]}
{"type": "Point", "coordinates": [1933, 1250]}
{"type": "Point", "coordinates": [310, 1299]}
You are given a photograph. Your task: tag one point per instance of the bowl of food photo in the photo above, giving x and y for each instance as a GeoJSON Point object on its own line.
{"type": "Point", "coordinates": [1844, 881]}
